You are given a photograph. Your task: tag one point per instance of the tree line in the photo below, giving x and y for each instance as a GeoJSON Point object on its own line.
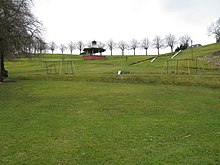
{"type": "Point", "coordinates": [158, 43]}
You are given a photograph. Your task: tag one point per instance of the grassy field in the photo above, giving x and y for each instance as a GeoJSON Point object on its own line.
{"type": "Point", "coordinates": [65, 122]}
{"type": "Point", "coordinates": [95, 116]}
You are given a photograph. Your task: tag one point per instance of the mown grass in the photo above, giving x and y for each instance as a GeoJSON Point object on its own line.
{"type": "Point", "coordinates": [95, 116]}
{"type": "Point", "coordinates": [200, 51]}
{"type": "Point", "coordinates": [114, 63]}
{"type": "Point", "coordinates": [65, 122]}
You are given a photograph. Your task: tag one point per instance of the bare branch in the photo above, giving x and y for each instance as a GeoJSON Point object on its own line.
{"type": "Point", "coordinates": [158, 43]}
{"type": "Point", "coordinates": [62, 48]}
{"type": "Point", "coordinates": [71, 47]}
{"type": "Point", "coordinates": [214, 29]}
{"type": "Point", "coordinates": [19, 30]}
{"type": "Point", "coordinates": [185, 39]}
{"type": "Point", "coordinates": [171, 41]}
{"type": "Point", "coordinates": [111, 45]}
{"type": "Point", "coordinates": [134, 45]}
{"type": "Point", "coordinates": [79, 45]}
{"type": "Point", "coordinates": [145, 44]}
{"type": "Point", "coordinates": [122, 45]}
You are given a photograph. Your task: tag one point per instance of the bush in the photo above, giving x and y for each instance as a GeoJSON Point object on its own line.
{"type": "Point", "coordinates": [182, 47]}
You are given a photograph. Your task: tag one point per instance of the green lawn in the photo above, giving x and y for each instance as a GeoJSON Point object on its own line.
{"type": "Point", "coordinates": [95, 116]}
{"type": "Point", "coordinates": [66, 122]}
{"type": "Point", "coordinates": [35, 66]}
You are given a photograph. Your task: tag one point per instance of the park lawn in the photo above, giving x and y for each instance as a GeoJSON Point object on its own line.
{"type": "Point", "coordinates": [35, 65]}
{"type": "Point", "coordinates": [66, 122]}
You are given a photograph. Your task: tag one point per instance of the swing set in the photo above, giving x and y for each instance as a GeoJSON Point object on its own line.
{"type": "Point", "coordinates": [59, 66]}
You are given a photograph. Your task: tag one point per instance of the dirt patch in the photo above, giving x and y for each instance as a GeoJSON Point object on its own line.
{"type": "Point", "coordinates": [213, 59]}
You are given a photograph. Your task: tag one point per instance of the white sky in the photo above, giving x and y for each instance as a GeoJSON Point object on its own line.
{"type": "Point", "coordinates": [86, 20]}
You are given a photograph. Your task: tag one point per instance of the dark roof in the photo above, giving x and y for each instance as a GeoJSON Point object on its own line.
{"type": "Point", "coordinates": [93, 50]}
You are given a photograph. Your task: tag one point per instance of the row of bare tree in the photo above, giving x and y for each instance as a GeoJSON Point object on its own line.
{"type": "Point", "coordinates": [170, 40]}
{"type": "Point", "coordinates": [158, 43]}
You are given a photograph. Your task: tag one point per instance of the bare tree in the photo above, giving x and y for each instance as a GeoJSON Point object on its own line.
{"type": "Point", "coordinates": [100, 45]}
{"type": "Point", "coordinates": [62, 48]}
{"type": "Point", "coordinates": [52, 46]}
{"type": "Point", "coordinates": [111, 45]}
{"type": "Point", "coordinates": [171, 41]}
{"type": "Point", "coordinates": [80, 46]}
{"type": "Point", "coordinates": [71, 47]}
{"type": "Point", "coordinates": [185, 40]}
{"type": "Point", "coordinates": [214, 29]}
{"type": "Point", "coordinates": [145, 44]}
{"type": "Point", "coordinates": [134, 45]}
{"type": "Point", "coordinates": [158, 44]}
{"type": "Point", "coordinates": [122, 45]}
{"type": "Point", "coordinates": [89, 44]}
{"type": "Point", "coordinates": [41, 46]}
{"type": "Point", "coordinates": [18, 29]}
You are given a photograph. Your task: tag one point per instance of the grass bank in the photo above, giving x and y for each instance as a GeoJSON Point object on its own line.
{"type": "Point", "coordinates": [151, 79]}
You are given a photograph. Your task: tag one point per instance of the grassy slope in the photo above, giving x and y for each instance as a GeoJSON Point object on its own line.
{"type": "Point", "coordinates": [201, 51]}
{"type": "Point", "coordinates": [111, 65]}
{"type": "Point", "coordinates": [64, 122]}
{"type": "Point", "coordinates": [105, 71]}
{"type": "Point", "coordinates": [88, 121]}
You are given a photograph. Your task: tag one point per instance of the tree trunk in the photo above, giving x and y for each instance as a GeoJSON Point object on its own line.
{"type": "Point", "coordinates": [1, 61]}
{"type": "Point", "coordinates": [158, 51]}
{"type": "Point", "coordinates": [146, 52]}
{"type": "Point", "coordinates": [134, 52]}
{"type": "Point", "coordinates": [171, 49]}
{"type": "Point", "coordinates": [217, 38]}
{"type": "Point", "coordinates": [111, 52]}
{"type": "Point", "coordinates": [1, 70]}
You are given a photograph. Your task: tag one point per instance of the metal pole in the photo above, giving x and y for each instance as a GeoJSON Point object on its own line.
{"type": "Point", "coordinates": [192, 48]}
{"type": "Point", "coordinates": [177, 66]}
{"type": "Point", "coordinates": [197, 66]}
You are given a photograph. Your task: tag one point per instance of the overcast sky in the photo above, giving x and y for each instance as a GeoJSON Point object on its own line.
{"type": "Point", "coordinates": [101, 20]}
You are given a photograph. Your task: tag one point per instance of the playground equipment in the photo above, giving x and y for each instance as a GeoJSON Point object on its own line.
{"type": "Point", "coordinates": [189, 66]}
{"type": "Point", "coordinates": [59, 66]}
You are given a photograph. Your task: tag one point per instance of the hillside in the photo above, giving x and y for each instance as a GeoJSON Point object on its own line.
{"type": "Point", "coordinates": [140, 64]}
{"type": "Point", "coordinates": [163, 70]}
